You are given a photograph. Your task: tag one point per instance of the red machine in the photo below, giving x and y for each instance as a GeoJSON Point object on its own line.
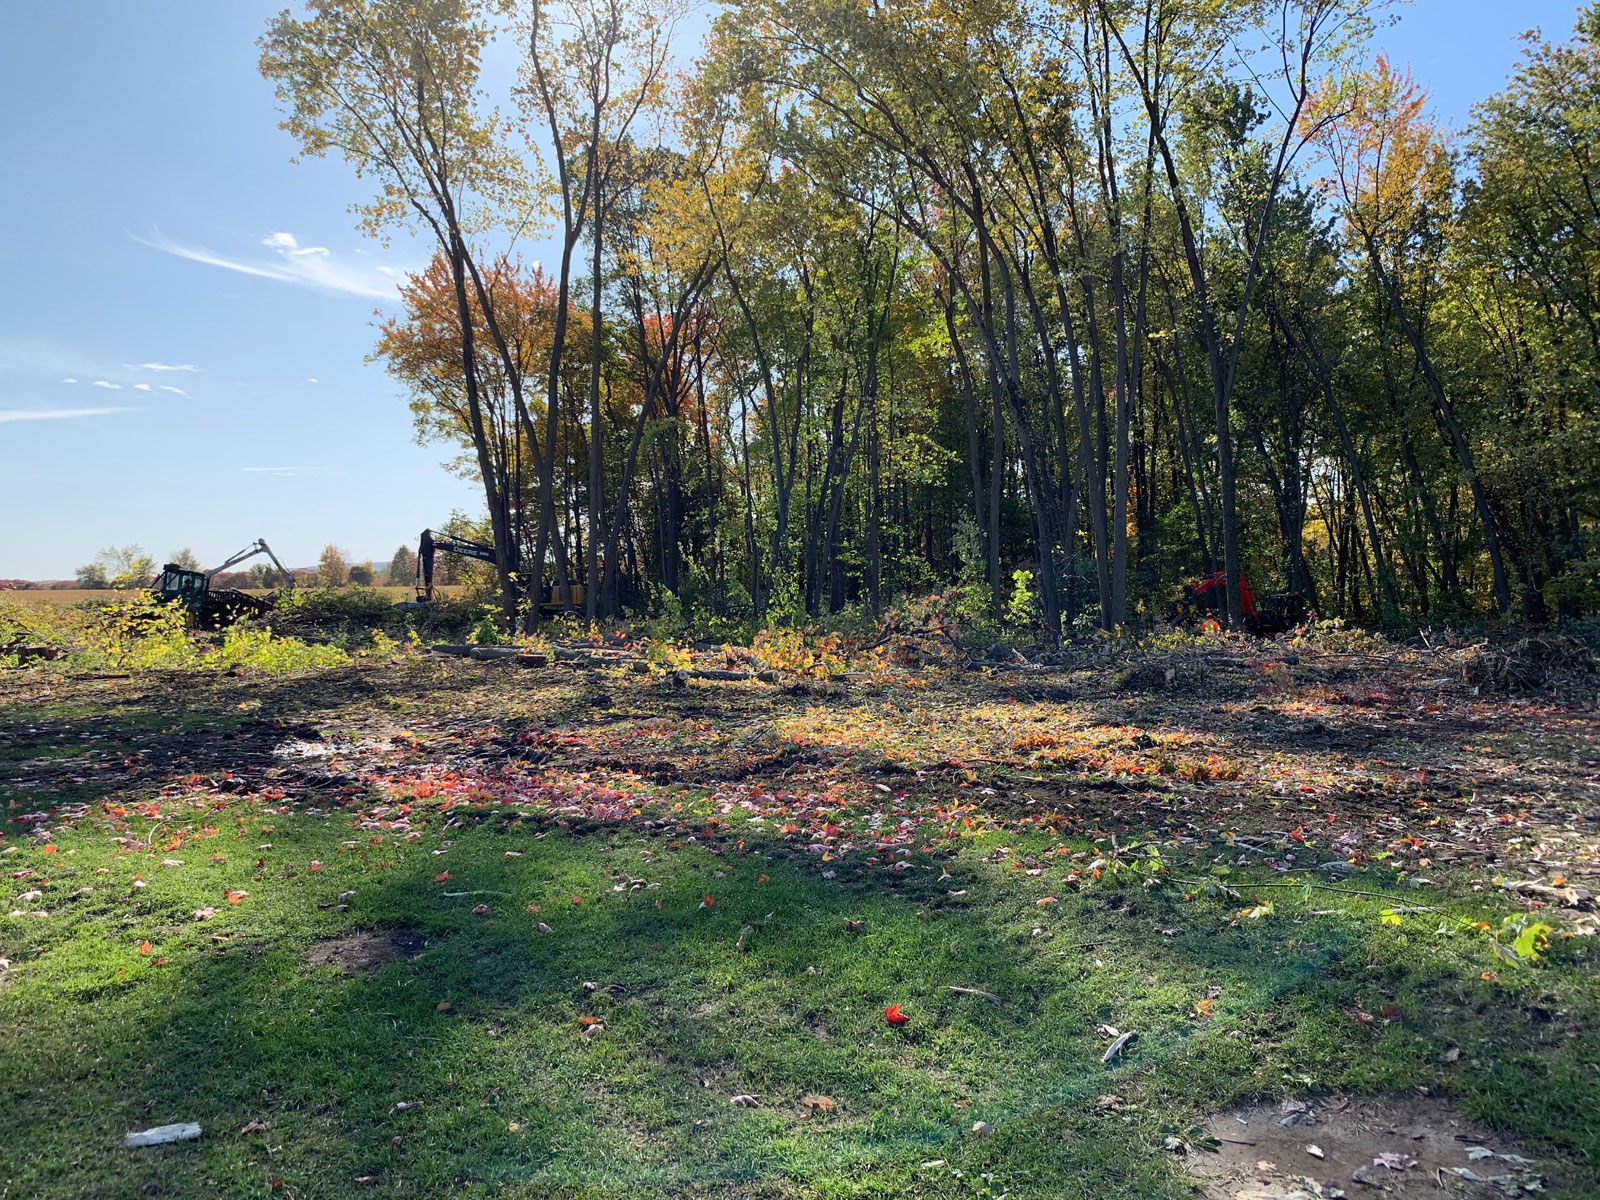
{"type": "Point", "coordinates": [1281, 611]}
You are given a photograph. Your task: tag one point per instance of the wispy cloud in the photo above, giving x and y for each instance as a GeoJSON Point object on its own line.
{"type": "Point", "coordinates": [54, 414]}
{"type": "Point", "coordinates": [280, 470]}
{"type": "Point", "coordinates": [70, 365]}
{"type": "Point", "coordinates": [143, 387]}
{"type": "Point", "coordinates": [290, 262]}
{"type": "Point", "coordinates": [167, 387]}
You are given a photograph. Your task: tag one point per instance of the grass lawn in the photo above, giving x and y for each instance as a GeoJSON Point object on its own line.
{"type": "Point", "coordinates": [432, 927]}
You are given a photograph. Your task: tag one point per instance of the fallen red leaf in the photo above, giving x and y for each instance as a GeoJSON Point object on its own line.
{"type": "Point", "coordinates": [894, 1016]}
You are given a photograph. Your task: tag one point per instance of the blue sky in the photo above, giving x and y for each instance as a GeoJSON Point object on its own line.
{"type": "Point", "coordinates": [212, 303]}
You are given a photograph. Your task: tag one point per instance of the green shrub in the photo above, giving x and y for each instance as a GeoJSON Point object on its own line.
{"type": "Point", "coordinates": [1021, 609]}
{"type": "Point", "coordinates": [150, 636]}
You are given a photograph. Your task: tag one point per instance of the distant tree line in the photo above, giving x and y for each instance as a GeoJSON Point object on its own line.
{"type": "Point", "coordinates": [123, 568]}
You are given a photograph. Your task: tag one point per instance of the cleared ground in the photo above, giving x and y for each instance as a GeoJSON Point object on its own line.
{"type": "Point", "coordinates": [427, 926]}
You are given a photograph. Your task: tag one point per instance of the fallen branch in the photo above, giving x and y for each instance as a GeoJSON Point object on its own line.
{"type": "Point", "coordinates": [966, 991]}
{"type": "Point", "coordinates": [1321, 887]}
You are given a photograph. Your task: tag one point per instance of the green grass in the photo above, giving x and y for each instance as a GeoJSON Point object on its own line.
{"type": "Point", "coordinates": [223, 1021]}
{"type": "Point", "coordinates": [234, 1027]}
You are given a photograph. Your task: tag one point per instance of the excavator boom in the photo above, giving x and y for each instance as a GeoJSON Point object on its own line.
{"type": "Point", "coordinates": [433, 541]}
{"type": "Point", "coordinates": [259, 546]}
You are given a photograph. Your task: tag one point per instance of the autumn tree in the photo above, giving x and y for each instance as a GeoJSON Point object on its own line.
{"type": "Point", "coordinates": [419, 349]}
{"type": "Point", "coordinates": [593, 67]}
{"type": "Point", "coordinates": [1394, 181]}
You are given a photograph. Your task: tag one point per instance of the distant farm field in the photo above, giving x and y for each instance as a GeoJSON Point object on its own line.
{"type": "Point", "coordinates": [37, 596]}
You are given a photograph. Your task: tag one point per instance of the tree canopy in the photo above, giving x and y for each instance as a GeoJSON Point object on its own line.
{"type": "Point", "coordinates": [888, 298]}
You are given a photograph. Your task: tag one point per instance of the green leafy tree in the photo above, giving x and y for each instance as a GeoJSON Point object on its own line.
{"type": "Point", "coordinates": [332, 569]}
{"type": "Point", "coordinates": [402, 568]}
{"type": "Point", "coordinates": [121, 567]}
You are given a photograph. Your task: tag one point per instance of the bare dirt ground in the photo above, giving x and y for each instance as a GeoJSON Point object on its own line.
{"type": "Point", "coordinates": [1407, 1147]}
{"type": "Point", "coordinates": [365, 949]}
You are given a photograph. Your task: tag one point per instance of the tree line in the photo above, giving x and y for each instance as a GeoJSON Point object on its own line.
{"type": "Point", "coordinates": [132, 568]}
{"type": "Point", "coordinates": [882, 298]}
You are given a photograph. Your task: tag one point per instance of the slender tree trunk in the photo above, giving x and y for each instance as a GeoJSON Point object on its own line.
{"type": "Point", "coordinates": [1447, 413]}
{"type": "Point", "coordinates": [597, 490]}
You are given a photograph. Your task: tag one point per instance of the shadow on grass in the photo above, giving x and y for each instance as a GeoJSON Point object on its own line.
{"type": "Point", "coordinates": [516, 1097]}
{"type": "Point", "coordinates": [513, 1093]}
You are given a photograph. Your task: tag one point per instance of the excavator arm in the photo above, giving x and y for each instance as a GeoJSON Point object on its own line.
{"type": "Point", "coordinates": [259, 546]}
{"type": "Point", "coordinates": [433, 541]}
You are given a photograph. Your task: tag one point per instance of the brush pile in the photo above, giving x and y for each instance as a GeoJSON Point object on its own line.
{"type": "Point", "coordinates": [1555, 664]}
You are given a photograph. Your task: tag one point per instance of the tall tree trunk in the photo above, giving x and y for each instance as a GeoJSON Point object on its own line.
{"type": "Point", "coordinates": [597, 482]}
{"type": "Point", "coordinates": [1447, 413]}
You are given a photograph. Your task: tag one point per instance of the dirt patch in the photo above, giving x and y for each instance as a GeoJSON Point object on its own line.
{"type": "Point", "coordinates": [1399, 1147]}
{"type": "Point", "coordinates": [366, 950]}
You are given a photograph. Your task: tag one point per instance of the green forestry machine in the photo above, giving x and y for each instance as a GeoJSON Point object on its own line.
{"type": "Point", "coordinates": [209, 607]}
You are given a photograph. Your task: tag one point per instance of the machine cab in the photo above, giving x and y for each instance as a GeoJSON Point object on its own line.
{"type": "Point", "coordinates": [180, 584]}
